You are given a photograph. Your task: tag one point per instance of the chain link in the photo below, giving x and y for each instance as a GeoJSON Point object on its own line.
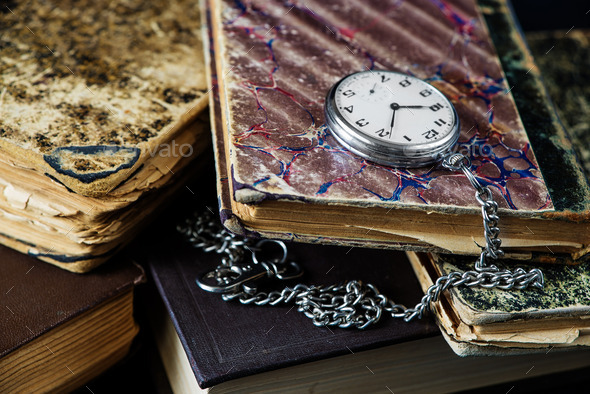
{"type": "Point", "coordinates": [489, 211]}
{"type": "Point", "coordinates": [352, 304]}
{"type": "Point", "coordinates": [203, 231]}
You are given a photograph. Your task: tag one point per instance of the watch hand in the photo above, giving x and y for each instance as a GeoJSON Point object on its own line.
{"type": "Point", "coordinates": [373, 89]}
{"type": "Point", "coordinates": [411, 106]}
{"type": "Point", "coordinates": [394, 107]}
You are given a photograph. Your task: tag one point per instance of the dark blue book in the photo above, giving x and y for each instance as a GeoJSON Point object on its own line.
{"type": "Point", "coordinates": [207, 343]}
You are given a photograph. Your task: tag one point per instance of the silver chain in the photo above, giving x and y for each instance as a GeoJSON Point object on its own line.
{"type": "Point", "coordinates": [489, 211]}
{"type": "Point", "coordinates": [352, 304]}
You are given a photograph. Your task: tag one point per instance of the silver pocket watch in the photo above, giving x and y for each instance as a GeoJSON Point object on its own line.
{"type": "Point", "coordinates": [391, 118]}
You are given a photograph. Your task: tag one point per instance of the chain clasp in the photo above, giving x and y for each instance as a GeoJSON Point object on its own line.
{"type": "Point", "coordinates": [245, 276]}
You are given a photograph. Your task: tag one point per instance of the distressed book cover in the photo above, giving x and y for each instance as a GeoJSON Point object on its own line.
{"type": "Point", "coordinates": [477, 320]}
{"type": "Point", "coordinates": [88, 92]}
{"type": "Point", "coordinates": [276, 60]}
{"type": "Point", "coordinates": [100, 117]}
{"type": "Point", "coordinates": [563, 58]}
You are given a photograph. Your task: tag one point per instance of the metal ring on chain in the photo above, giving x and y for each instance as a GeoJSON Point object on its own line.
{"type": "Point", "coordinates": [263, 242]}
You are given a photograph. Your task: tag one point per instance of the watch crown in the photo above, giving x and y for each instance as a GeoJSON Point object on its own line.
{"type": "Point", "coordinates": [454, 161]}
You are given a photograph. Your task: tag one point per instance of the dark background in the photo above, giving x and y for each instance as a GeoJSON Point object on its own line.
{"type": "Point", "coordinates": [537, 15]}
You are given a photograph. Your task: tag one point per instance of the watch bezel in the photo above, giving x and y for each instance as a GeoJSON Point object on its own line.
{"type": "Point", "coordinates": [387, 152]}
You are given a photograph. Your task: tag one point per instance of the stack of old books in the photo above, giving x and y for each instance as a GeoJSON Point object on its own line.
{"type": "Point", "coordinates": [479, 321]}
{"type": "Point", "coordinates": [283, 175]}
{"type": "Point", "coordinates": [100, 122]}
{"type": "Point", "coordinates": [554, 318]}
{"type": "Point", "coordinates": [208, 345]}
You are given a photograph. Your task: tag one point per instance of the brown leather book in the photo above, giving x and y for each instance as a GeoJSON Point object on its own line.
{"type": "Point", "coordinates": [58, 330]}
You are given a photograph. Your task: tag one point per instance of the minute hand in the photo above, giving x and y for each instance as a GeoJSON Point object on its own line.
{"type": "Point", "coordinates": [412, 106]}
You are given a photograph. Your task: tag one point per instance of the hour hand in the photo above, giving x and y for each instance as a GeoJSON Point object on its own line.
{"type": "Point", "coordinates": [394, 107]}
{"type": "Point", "coordinates": [411, 106]}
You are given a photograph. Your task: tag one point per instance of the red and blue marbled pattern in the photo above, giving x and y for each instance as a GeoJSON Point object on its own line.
{"type": "Point", "coordinates": [280, 58]}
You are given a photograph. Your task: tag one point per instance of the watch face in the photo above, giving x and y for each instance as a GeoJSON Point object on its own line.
{"type": "Point", "coordinates": [391, 118]}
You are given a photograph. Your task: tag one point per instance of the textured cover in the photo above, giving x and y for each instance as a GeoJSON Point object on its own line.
{"type": "Point", "coordinates": [98, 126]}
{"type": "Point", "coordinates": [563, 58]}
{"type": "Point", "coordinates": [227, 340]}
{"type": "Point", "coordinates": [275, 92]}
{"type": "Point", "coordinates": [91, 90]}
{"type": "Point", "coordinates": [478, 321]}
{"type": "Point", "coordinates": [566, 293]}
{"type": "Point", "coordinates": [278, 60]}
{"type": "Point", "coordinates": [37, 297]}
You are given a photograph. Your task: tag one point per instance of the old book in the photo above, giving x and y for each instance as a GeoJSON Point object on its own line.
{"type": "Point", "coordinates": [494, 321]}
{"type": "Point", "coordinates": [98, 125]}
{"type": "Point", "coordinates": [207, 344]}
{"type": "Point", "coordinates": [289, 178]}
{"type": "Point", "coordinates": [58, 329]}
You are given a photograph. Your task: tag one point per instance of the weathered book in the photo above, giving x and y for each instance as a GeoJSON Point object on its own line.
{"type": "Point", "coordinates": [59, 330]}
{"type": "Point", "coordinates": [99, 107]}
{"type": "Point", "coordinates": [208, 344]}
{"type": "Point", "coordinates": [495, 321]}
{"type": "Point", "coordinates": [289, 178]}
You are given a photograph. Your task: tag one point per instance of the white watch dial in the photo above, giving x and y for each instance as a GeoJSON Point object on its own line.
{"type": "Point", "coordinates": [395, 108]}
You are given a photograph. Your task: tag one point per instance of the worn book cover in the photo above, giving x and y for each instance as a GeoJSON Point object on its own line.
{"type": "Point", "coordinates": [476, 320]}
{"type": "Point", "coordinates": [99, 108]}
{"type": "Point", "coordinates": [58, 329]}
{"type": "Point", "coordinates": [563, 57]}
{"type": "Point", "coordinates": [89, 91]}
{"type": "Point", "coordinates": [289, 178]}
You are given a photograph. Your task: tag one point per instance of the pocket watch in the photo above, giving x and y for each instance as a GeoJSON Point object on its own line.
{"type": "Point", "coordinates": [391, 118]}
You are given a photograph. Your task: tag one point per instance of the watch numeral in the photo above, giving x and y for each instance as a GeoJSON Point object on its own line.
{"type": "Point", "coordinates": [425, 93]}
{"type": "Point", "coordinates": [348, 93]}
{"type": "Point", "coordinates": [384, 78]}
{"type": "Point", "coordinates": [430, 134]}
{"type": "Point", "coordinates": [362, 122]}
{"type": "Point", "coordinates": [349, 109]}
{"type": "Point", "coordinates": [408, 138]}
{"type": "Point", "coordinates": [435, 107]}
{"type": "Point", "coordinates": [405, 83]}
{"type": "Point", "coordinates": [382, 133]}
{"type": "Point", "coordinates": [439, 122]}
